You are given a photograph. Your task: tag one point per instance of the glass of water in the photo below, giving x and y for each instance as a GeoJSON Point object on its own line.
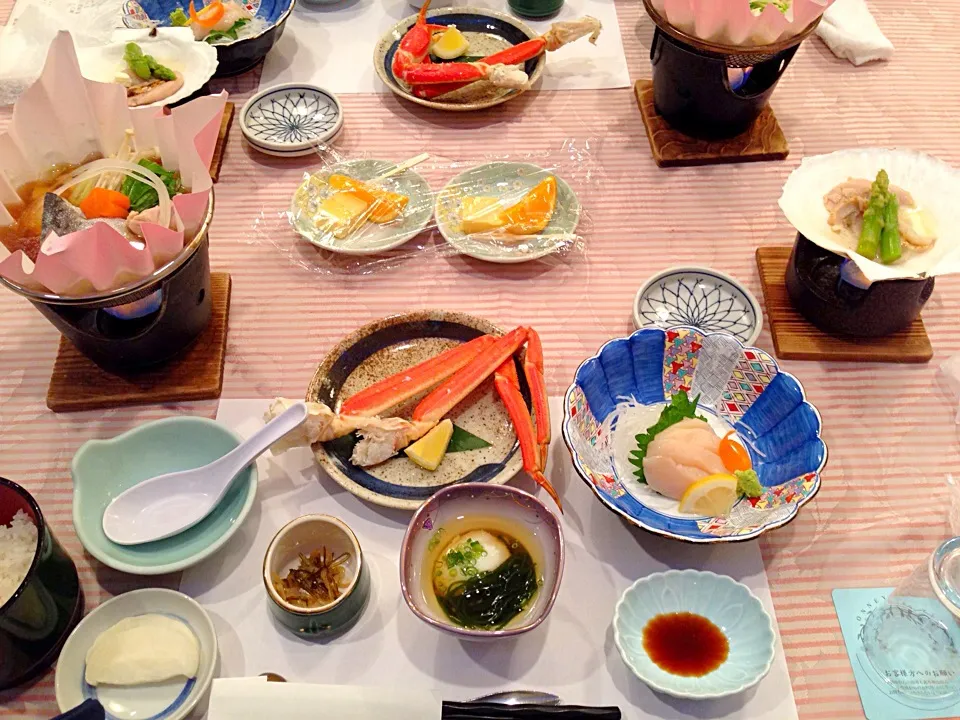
{"type": "Point", "coordinates": [913, 639]}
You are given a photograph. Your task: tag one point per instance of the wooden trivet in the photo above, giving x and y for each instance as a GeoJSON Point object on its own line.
{"type": "Point", "coordinates": [220, 148]}
{"type": "Point", "coordinates": [794, 338]}
{"type": "Point", "coordinates": [77, 383]}
{"type": "Point", "coordinates": [763, 141]}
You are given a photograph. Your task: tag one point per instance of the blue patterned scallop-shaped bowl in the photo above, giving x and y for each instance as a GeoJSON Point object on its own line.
{"type": "Point", "coordinates": [740, 388]}
{"type": "Point", "coordinates": [726, 603]}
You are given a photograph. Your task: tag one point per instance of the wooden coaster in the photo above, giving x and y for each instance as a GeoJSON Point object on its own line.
{"type": "Point", "coordinates": [229, 111]}
{"type": "Point", "coordinates": [79, 384]}
{"type": "Point", "coordinates": [794, 338]}
{"type": "Point", "coordinates": [764, 141]}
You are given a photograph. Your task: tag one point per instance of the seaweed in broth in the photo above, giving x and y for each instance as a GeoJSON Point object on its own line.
{"type": "Point", "coordinates": [481, 573]}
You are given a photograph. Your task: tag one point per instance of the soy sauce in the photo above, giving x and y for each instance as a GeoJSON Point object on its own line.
{"type": "Point", "coordinates": [685, 644]}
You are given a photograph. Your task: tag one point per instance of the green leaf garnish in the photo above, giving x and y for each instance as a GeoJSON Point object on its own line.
{"type": "Point", "coordinates": [680, 408]}
{"type": "Point", "coordinates": [229, 34]}
{"type": "Point", "coordinates": [748, 483]}
{"type": "Point", "coordinates": [463, 440]}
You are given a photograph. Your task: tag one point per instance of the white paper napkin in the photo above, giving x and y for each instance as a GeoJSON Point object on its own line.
{"type": "Point", "coordinates": [254, 699]}
{"type": "Point", "coordinates": [851, 32]}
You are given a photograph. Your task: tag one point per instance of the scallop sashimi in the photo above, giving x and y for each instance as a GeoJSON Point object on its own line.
{"type": "Point", "coordinates": [679, 457]}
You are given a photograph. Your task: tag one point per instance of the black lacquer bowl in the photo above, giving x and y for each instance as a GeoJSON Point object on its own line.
{"type": "Point", "coordinates": [36, 620]}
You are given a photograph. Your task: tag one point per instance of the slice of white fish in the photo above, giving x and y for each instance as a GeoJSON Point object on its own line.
{"type": "Point", "coordinates": [143, 649]}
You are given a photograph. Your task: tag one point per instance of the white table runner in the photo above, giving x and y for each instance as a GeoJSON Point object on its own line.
{"type": "Point", "coordinates": [572, 654]}
{"type": "Point", "coordinates": [332, 46]}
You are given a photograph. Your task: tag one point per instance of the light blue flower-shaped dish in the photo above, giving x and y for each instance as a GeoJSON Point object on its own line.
{"type": "Point", "coordinates": [174, 699]}
{"type": "Point", "coordinates": [102, 469]}
{"type": "Point", "coordinates": [701, 297]}
{"type": "Point", "coordinates": [726, 603]}
{"type": "Point", "coordinates": [291, 120]}
{"type": "Point", "coordinates": [740, 388]}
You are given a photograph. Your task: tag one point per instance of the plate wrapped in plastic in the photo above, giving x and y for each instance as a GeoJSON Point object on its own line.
{"type": "Point", "coordinates": [105, 213]}
{"type": "Point", "coordinates": [693, 436]}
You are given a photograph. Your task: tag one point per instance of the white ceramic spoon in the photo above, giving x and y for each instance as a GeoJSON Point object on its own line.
{"type": "Point", "coordinates": [168, 504]}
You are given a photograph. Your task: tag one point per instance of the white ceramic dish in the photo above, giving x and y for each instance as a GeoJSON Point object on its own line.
{"type": "Point", "coordinates": [291, 119]}
{"type": "Point", "coordinates": [700, 297]}
{"type": "Point", "coordinates": [173, 47]}
{"type": "Point", "coordinates": [726, 603]}
{"type": "Point", "coordinates": [172, 700]}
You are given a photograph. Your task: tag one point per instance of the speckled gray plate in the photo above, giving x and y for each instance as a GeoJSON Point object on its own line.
{"type": "Point", "coordinates": [385, 347]}
{"type": "Point", "coordinates": [509, 182]}
{"type": "Point", "coordinates": [370, 238]}
{"type": "Point", "coordinates": [487, 32]}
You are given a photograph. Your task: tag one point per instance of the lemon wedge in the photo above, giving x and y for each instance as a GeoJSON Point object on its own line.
{"type": "Point", "coordinates": [714, 496]}
{"type": "Point", "coordinates": [428, 451]}
{"type": "Point", "coordinates": [451, 44]}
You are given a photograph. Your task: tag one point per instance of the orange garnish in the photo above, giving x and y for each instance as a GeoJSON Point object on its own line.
{"type": "Point", "coordinates": [104, 203]}
{"type": "Point", "coordinates": [208, 16]}
{"type": "Point", "coordinates": [734, 455]}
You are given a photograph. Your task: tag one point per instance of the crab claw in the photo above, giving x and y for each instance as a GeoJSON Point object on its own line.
{"type": "Point", "coordinates": [508, 387]}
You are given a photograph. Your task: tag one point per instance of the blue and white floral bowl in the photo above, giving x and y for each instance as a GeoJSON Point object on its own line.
{"type": "Point", "coordinates": [740, 388]}
{"type": "Point", "coordinates": [726, 603]}
{"type": "Point", "coordinates": [291, 119]}
{"type": "Point", "coordinates": [701, 297]}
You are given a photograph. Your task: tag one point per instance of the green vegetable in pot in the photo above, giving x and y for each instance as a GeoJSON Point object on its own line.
{"type": "Point", "coordinates": [143, 196]}
{"type": "Point", "coordinates": [890, 247]}
{"type": "Point", "coordinates": [873, 217]}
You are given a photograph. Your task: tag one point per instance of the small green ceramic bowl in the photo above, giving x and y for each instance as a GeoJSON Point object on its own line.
{"type": "Point", "coordinates": [102, 469]}
{"type": "Point", "coordinates": [303, 536]}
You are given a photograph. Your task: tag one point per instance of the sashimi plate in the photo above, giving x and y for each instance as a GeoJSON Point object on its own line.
{"type": "Point", "coordinates": [385, 347]}
{"type": "Point", "coordinates": [739, 388]}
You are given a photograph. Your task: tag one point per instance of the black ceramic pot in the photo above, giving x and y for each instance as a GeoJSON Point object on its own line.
{"type": "Point", "coordinates": [692, 85]}
{"type": "Point", "coordinates": [835, 306]}
{"type": "Point", "coordinates": [47, 605]}
{"type": "Point", "coordinates": [141, 324]}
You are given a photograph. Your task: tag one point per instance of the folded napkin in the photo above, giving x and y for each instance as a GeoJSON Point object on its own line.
{"type": "Point", "coordinates": [254, 699]}
{"type": "Point", "coordinates": [87, 710]}
{"type": "Point", "coordinates": [850, 32]}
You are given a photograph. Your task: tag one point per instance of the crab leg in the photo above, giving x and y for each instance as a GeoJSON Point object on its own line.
{"type": "Point", "coordinates": [414, 47]}
{"type": "Point", "coordinates": [533, 370]}
{"type": "Point", "coordinates": [508, 387]}
{"type": "Point", "coordinates": [444, 398]}
{"type": "Point", "coordinates": [393, 390]}
{"type": "Point", "coordinates": [557, 36]}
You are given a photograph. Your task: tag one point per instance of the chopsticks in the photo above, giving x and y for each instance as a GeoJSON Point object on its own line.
{"type": "Point", "coordinates": [493, 711]}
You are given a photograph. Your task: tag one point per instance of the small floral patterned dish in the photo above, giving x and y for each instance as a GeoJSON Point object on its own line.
{"type": "Point", "coordinates": [726, 603]}
{"type": "Point", "coordinates": [621, 390]}
{"type": "Point", "coordinates": [706, 299]}
{"type": "Point", "coordinates": [290, 120]}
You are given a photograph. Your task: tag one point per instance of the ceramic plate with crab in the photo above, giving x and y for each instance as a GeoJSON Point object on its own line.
{"type": "Point", "coordinates": [739, 388]}
{"type": "Point", "coordinates": [487, 31]}
{"type": "Point", "coordinates": [509, 182]}
{"type": "Point", "coordinates": [370, 238]}
{"type": "Point", "coordinates": [377, 351]}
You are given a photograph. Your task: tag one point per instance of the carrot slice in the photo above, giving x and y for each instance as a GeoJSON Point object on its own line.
{"type": "Point", "coordinates": [104, 203]}
{"type": "Point", "coordinates": [209, 15]}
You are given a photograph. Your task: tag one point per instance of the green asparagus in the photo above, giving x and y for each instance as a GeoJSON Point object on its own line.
{"type": "Point", "coordinates": [890, 248]}
{"type": "Point", "coordinates": [869, 241]}
{"type": "Point", "coordinates": [137, 61]}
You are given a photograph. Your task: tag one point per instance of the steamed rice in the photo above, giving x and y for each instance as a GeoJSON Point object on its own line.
{"type": "Point", "coordinates": [18, 543]}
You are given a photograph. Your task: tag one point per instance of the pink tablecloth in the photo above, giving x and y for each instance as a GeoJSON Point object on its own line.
{"type": "Point", "coordinates": [890, 429]}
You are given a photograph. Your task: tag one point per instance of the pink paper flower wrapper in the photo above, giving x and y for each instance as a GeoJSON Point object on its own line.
{"type": "Point", "coordinates": [731, 22]}
{"type": "Point", "coordinates": [64, 118]}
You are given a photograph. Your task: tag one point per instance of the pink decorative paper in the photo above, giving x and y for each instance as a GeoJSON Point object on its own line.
{"type": "Point", "coordinates": [731, 22]}
{"type": "Point", "coordinates": [64, 119]}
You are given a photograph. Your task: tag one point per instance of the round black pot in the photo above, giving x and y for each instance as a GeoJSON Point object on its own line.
{"type": "Point", "coordinates": [835, 306]}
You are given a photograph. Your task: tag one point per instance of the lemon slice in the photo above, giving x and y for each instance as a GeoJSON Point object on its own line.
{"type": "Point", "coordinates": [451, 44]}
{"type": "Point", "coordinates": [428, 451]}
{"type": "Point", "coordinates": [714, 496]}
